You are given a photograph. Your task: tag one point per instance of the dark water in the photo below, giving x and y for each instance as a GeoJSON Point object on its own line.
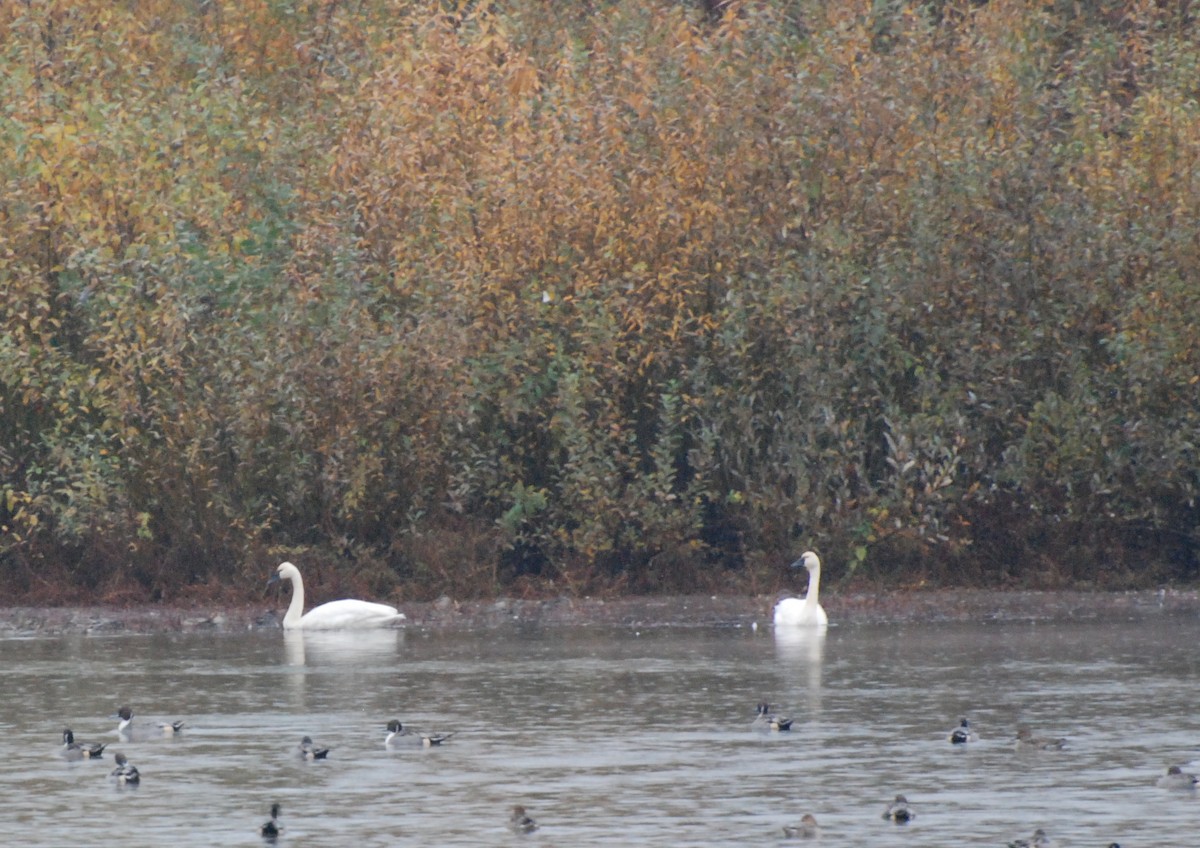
{"type": "Point", "coordinates": [609, 736]}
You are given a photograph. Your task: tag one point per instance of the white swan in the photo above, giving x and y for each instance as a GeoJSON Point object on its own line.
{"type": "Point", "coordinates": [335, 615]}
{"type": "Point", "coordinates": [806, 611]}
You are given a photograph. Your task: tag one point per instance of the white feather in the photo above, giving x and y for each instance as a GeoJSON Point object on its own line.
{"type": "Point", "coordinates": [806, 611]}
{"type": "Point", "coordinates": [335, 615]}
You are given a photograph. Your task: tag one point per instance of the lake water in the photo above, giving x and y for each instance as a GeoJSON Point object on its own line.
{"type": "Point", "coordinates": [608, 736]}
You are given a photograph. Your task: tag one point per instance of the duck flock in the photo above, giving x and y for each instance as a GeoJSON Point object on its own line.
{"type": "Point", "coordinates": [900, 812]}
{"type": "Point", "coordinates": [125, 775]}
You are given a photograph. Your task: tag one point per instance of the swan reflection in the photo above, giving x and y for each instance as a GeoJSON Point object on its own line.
{"type": "Point", "coordinates": [802, 649]}
{"type": "Point", "coordinates": [293, 644]}
{"type": "Point", "coordinates": [342, 647]}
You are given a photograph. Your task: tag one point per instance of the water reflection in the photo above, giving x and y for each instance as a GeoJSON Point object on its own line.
{"type": "Point", "coordinates": [801, 651]}
{"type": "Point", "coordinates": [800, 646]}
{"type": "Point", "coordinates": [293, 643]}
{"type": "Point", "coordinates": [342, 647]}
{"type": "Point", "coordinates": [337, 652]}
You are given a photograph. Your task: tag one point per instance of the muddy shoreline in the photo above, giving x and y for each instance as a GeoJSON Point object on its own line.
{"type": "Point", "coordinates": [641, 612]}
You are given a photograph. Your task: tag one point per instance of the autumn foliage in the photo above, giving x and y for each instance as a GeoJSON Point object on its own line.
{"type": "Point", "coordinates": [614, 296]}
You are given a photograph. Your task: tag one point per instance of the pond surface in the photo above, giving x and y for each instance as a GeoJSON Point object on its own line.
{"type": "Point", "coordinates": [608, 736]}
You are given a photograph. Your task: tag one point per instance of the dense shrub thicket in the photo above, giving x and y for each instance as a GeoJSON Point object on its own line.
{"type": "Point", "coordinates": [612, 296]}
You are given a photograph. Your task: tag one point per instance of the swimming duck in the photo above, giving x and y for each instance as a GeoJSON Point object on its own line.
{"type": "Point", "coordinates": [766, 720]}
{"type": "Point", "coordinates": [963, 734]}
{"type": "Point", "coordinates": [125, 714]}
{"type": "Point", "coordinates": [1177, 778]}
{"type": "Point", "coordinates": [807, 829]}
{"type": "Point", "coordinates": [125, 774]}
{"type": "Point", "coordinates": [73, 750]}
{"type": "Point", "coordinates": [271, 829]}
{"type": "Point", "coordinates": [309, 751]}
{"type": "Point", "coordinates": [336, 615]}
{"type": "Point", "coordinates": [125, 727]}
{"type": "Point", "coordinates": [520, 822]}
{"type": "Point", "coordinates": [806, 611]}
{"type": "Point", "coordinates": [1026, 741]}
{"type": "Point", "coordinates": [899, 811]}
{"type": "Point", "coordinates": [398, 734]}
{"type": "Point", "coordinates": [1038, 840]}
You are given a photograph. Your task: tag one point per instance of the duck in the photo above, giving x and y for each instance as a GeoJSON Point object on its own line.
{"type": "Point", "coordinates": [807, 829]}
{"type": "Point", "coordinates": [126, 730]}
{"type": "Point", "coordinates": [309, 751]}
{"type": "Point", "coordinates": [1177, 778]}
{"type": "Point", "coordinates": [336, 615]}
{"type": "Point", "coordinates": [766, 720]}
{"type": "Point", "coordinates": [520, 822]}
{"type": "Point", "coordinates": [398, 734]}
{"type": "Point", "coordinates": [272, 829]}
{"type": "Point", "coordinates": [125, 714]}
{"type": "Point", "coordinates": [1038, 840]}
{"type": "Point", "coordinates": [73, 750]}
{"type": "Point", "coordinates": [1026, 741]}
{"type": "Point", "coordinates": [806, 611]}
{"type": "Point", "coordinates": [124, 774]}
{"type": "Point", "coordinates": [963, 734]}
{"type": "Point", "coordinates": [899, 811]}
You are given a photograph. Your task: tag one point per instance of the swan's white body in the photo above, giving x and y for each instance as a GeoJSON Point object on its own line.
{"type": "Point", "coordinates": [806, 611]}
{"type": "Point", "coordinates": [335, 615]}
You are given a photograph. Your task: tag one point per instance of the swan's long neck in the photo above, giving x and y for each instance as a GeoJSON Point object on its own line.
{"type": "Point", "coordinates": [814, 586]}
{"type": "Point", "coordinates": [295, 610]}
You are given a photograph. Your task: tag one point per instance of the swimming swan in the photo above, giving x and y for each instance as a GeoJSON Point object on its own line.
{"type": "Point", "coordinates": [335, 615]}
{"type": "Point", "coordinates": [806, 611]}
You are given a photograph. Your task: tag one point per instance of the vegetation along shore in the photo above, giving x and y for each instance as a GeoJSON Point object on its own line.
{"type": "Point", "coordinates": [640, 297]}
